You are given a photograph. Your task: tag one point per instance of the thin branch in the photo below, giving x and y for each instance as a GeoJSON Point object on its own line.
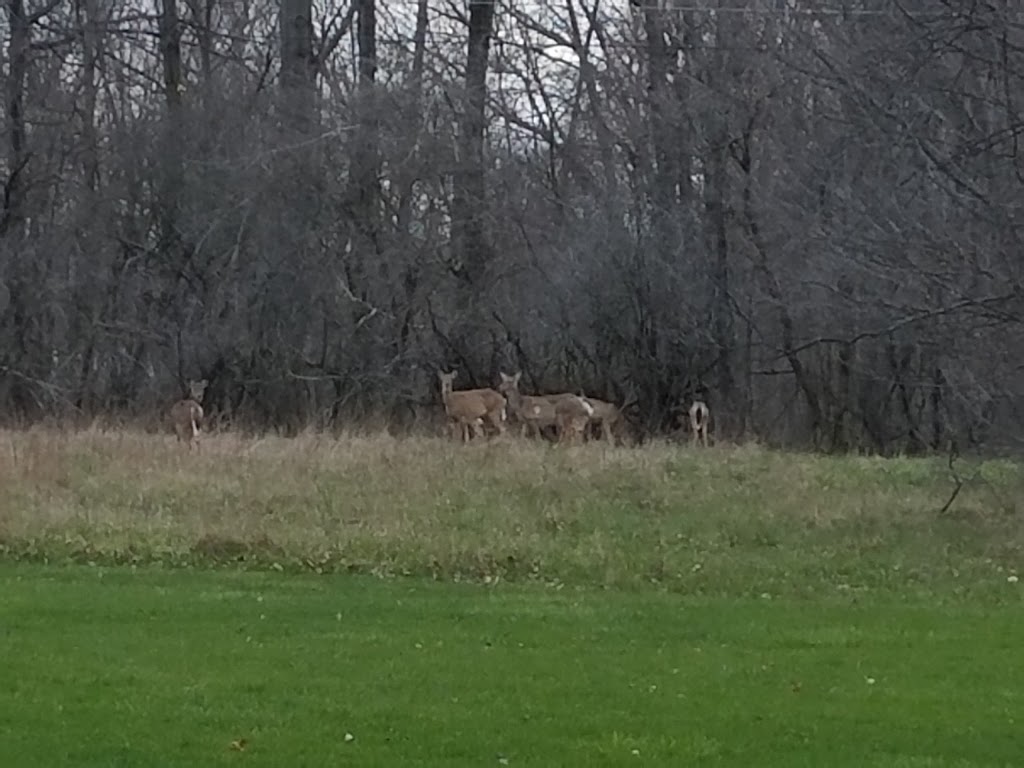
{"type": "Point", "coordinates": [958, 482]}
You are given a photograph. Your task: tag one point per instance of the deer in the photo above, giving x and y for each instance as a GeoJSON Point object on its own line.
{"type": "Point", "coordinates": [187, 414]}
{"type": "Point", "coordinates": [468, 429]}
{"type": "Point", "coordinates": [567, 412]}
{"type": "Point", "coordinates": [572, 415]}
{"type": "Point", "coordinates": [700, 416]}
{"type": "Point", "coordinates": [469, 408]}
{"type": "Point", "coordinates": [532, 413]}
{"type": "Point", "coordinates": [607, 416]}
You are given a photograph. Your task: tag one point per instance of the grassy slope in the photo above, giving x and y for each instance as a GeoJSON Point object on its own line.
{"type": "Point", "coordinates": [726, 521]}
{"type": "Point", "coordinates": [167, 668]}
{"type": "Point", "coordinates": [720, 607]}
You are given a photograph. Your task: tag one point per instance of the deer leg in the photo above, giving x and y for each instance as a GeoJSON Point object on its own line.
{"type": "Point", "coordinates": [571, 432]}
{"type": "Point", "coordinates": [700, 434]}
{"type": "Point", "coordinates": [565, 430]}
{"type": "Point", "coordinates": [495, 417]}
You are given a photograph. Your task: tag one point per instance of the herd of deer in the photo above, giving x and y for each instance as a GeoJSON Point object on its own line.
{"type": "Point", "coordinates": [570, 414]}
{"type": "Point", "coordinates": [467, 410]}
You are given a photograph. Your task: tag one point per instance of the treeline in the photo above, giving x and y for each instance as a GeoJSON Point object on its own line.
{"type": "Point", "coordinates": [807, 214]}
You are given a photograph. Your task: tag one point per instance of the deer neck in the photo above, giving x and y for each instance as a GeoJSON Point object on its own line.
{"type": "Point", "coordinates": [515, 399]}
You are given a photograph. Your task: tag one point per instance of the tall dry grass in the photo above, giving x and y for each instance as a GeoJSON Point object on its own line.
{"type": "Point", "coordinates": [733, 519]}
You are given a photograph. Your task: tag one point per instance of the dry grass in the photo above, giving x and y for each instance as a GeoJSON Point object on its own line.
{"type": "Point", "coordinates": [729, 519]}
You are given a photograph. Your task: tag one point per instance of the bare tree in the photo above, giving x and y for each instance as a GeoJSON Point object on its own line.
{"type": "Point", "coordinates": [809, 220]}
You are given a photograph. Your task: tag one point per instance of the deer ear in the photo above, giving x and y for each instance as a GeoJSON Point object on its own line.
{"type": "Point", "coordinates": [519, 375]}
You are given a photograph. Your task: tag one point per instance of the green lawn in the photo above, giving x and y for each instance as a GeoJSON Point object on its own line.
{"type": "Point", "coordinates": [159, 667]}
{"type": "Point", "coordinates": [503, 603]}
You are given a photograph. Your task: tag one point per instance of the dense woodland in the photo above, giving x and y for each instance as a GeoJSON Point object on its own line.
{"type": "Point", "coordinates": [807, 212]}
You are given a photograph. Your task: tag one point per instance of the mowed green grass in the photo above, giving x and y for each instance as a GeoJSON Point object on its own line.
{"type": "Point", "coordinates": [504, 603]}
{"type": "Point", "coordinates": [157, 667]}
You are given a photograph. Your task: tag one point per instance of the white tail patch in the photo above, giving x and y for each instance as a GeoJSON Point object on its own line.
{"type": "Point", "coordinates": [195, 428]}
{"type": "Point", "coordinates": [587, 407]}
{"type": "Point", "coordinates": [504, 414]}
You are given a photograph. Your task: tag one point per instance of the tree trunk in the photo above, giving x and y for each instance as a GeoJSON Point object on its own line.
{"type": "Point", "coordinates": [298, 65]}
{"type": "Point", "coordinates": [804, 380]}
{"type": "Point", "coordinates": [170, 48]}
{"type": "Point", "coordinates": [470, 201]}
{"type": "Point", "coordinates": [364, 192]}
{"type": "Point", "coordinates": [662, 128]}
{"type": "Point", "coordinates": [470, 244]}
{"type": "Point", "coordinates": [719, 304]}
{"type": "Point", "coordinates": [13, 217]}
{"type": "Point", "coordinates": [201, 12]}
{"type": "Point", "coordinates": [938, 384]}
{"type": "Point", "coordinates": [415, 113]}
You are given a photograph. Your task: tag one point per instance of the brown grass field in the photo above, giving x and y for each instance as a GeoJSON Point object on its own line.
{"type": "Point", "coordinates": [731, 519]}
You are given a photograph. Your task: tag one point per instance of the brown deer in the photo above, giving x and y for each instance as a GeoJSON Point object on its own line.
{"type": "Point", "coordinates": [187, 414]}
{"type": "Point", "coordinates": [532, 413]}
{"type": "Point", "coordinates": [700, 416]}
{"type": "Point", "coordinates": [607, 416]}
{"type": "Point", "coordinates": [468, 408]}
{"type": "Point", "coordinates": [467, 429]}
{"type": "Point", "coordinates": [568, 413]}
{"type": "Point", "coordinates": [572, 415]}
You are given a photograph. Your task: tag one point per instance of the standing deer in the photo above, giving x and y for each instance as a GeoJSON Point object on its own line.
{"type": "Point", "coordinates": [532, 413]}
{"type": "Point", "coordinates": [468, 408]}
{"type": "Point", "coordinates": [572, 415]}
{"type": "Point", "coordinates": [187, 414]}
{"type": "Point", "coordinates": [700, 416]}
{"type": "Point", "coordinates": [607, 416]}
{"type": "Point", "coordinates": [565, 411]}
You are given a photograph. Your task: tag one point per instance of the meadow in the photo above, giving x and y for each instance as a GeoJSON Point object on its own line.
{"type": "Point", "coordinates": [373, 600]}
